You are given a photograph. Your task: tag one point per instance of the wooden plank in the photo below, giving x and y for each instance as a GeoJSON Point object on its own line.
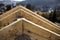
{"type": "Point", "coordinates": [54, 37]}
{"type": "Point", "coordinates": [14, 30]}
{"type": "Point", "coordinates": [35, 30]}
{"type": "Point", "coordinates": [38, 33]}
{"type": "Point", "coordinates": [33, 18]}
{"type": "Point", "coordinates": [8, 19]}
{"type": "Point", "coordinates": [9, 12]}
{"type": "Point", "coordinates": [39, 21]}
{"type": "Point", "coordinates": [10, 32]}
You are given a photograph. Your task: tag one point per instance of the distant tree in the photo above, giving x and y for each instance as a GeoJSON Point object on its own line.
{"type": "Point", "coordinates": [8, 7]}
{"type": "Point", "coordinates": [29, 6]}
{"type": "Point", "coordinates": [1, 5]}
{"type": "Point", "coordinates": [33, 7]}
{"type": "Point", "coordinates": [52, 16]}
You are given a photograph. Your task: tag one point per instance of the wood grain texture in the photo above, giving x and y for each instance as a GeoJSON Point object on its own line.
{"type": "Point", "coordinates": [36, 32]}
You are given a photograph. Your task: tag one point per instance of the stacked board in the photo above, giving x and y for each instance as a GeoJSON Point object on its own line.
{"type": "Point", "coordinates": [21, 21]}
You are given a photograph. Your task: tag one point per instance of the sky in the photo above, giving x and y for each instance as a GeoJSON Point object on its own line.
{"type": "Point", "coordinates": [45, 1]}
{"type": "Point", "coordinates": [12, 0]}
{"type": "Point", "coordinates": [32, 0]}
{"type": "Point", "coordinates": [18, 0]}
{"type": "Point", "coordinates": [1, 0]}
{"type": "Point", "coordinates": [23, 0]}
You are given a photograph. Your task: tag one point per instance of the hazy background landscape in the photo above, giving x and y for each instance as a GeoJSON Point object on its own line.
{"type": "Point", "coordinates": [50, 3]}
{"type": "Point", "coordinates": [46, 8]}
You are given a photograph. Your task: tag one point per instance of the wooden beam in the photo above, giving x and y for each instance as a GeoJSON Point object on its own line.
{"type": "Point", "coordinates": [34, 18]}
{"type": "Point", "coordinates": [14, 29]}
{"type": "Point", "coordinates": [9, 12]}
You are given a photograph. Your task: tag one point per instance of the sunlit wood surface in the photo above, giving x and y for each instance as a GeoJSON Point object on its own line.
{"type": "Point", "coordinates": [37, 33]}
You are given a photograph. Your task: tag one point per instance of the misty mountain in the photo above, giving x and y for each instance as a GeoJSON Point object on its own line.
{"type": "Point", "coordinates": [36, 2]}
{"type": "Point", "coordinates": [50, 3]}
{"type": "Point", "coordinates": [42, 2]}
